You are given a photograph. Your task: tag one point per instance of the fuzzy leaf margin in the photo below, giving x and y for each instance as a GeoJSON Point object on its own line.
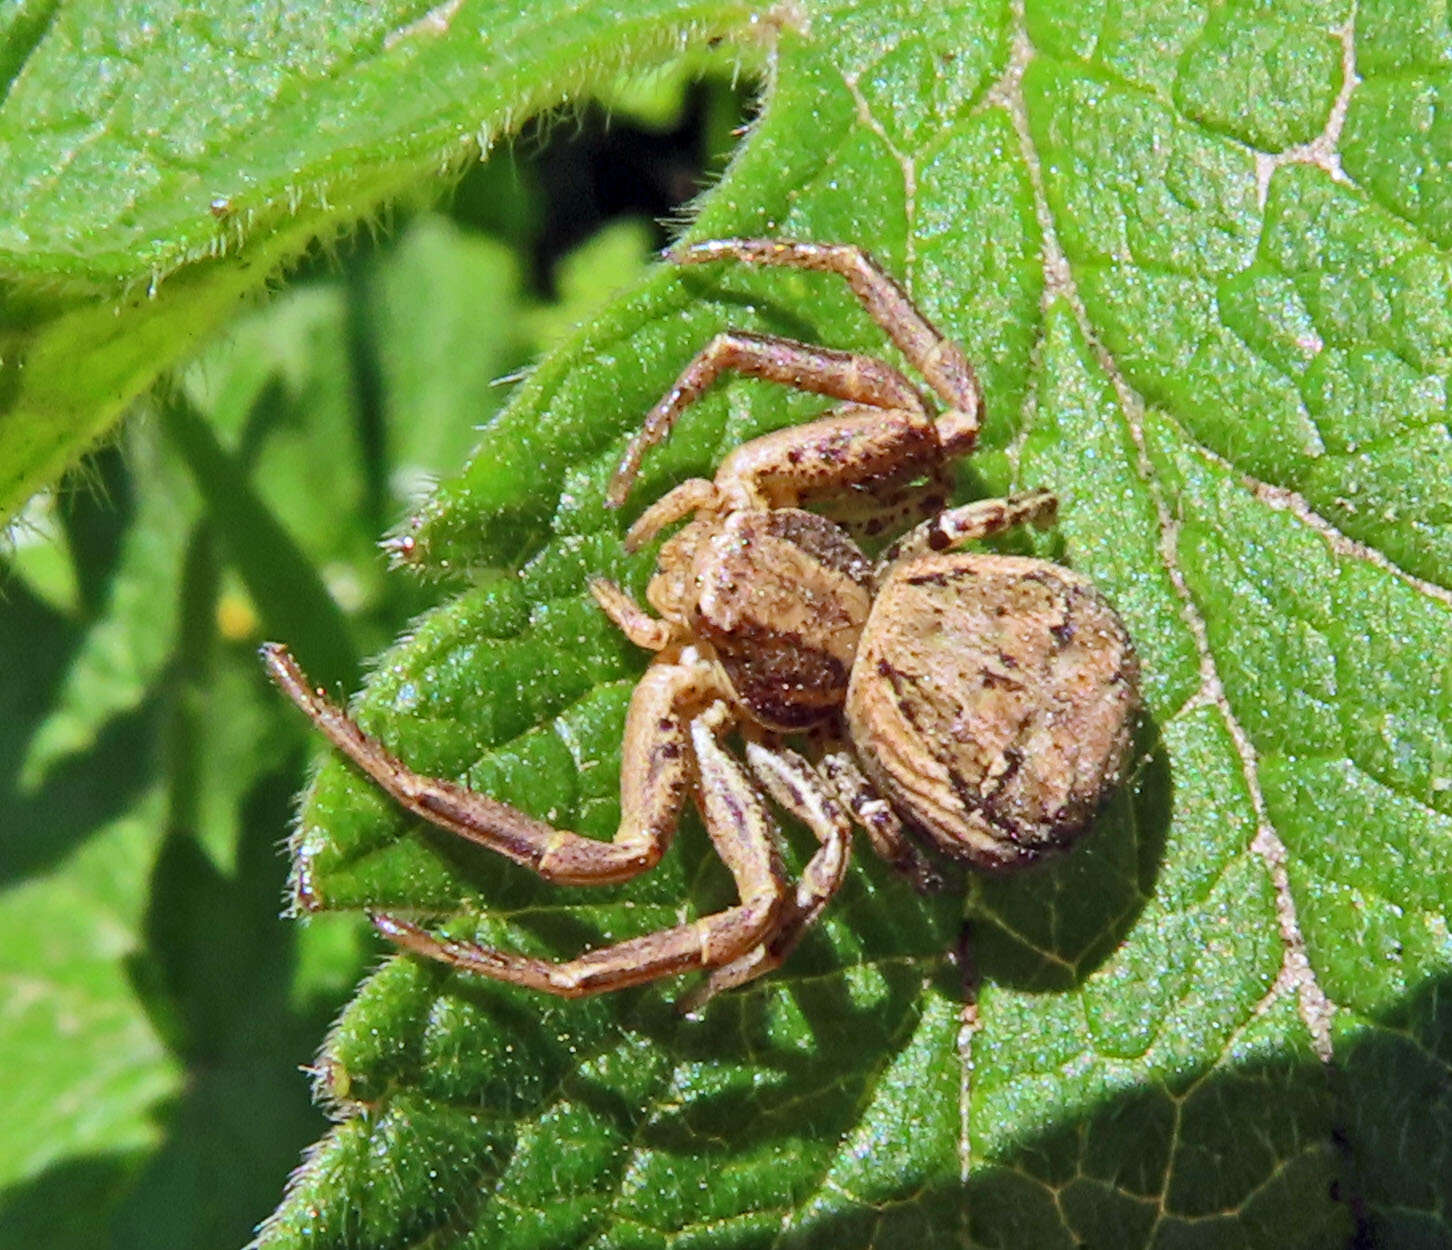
{"type": "Point", "coordinates": [162, 166]}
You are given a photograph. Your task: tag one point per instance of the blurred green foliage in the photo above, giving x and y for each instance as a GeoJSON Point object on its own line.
{"type": "Point", "coordinates": [160, 1011]}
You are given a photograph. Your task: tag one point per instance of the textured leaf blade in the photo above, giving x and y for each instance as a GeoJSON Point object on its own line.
{"type": "Point", "coordinates": [1145, 1058]}
{"type": "Point", "coordinates": [359, 88]}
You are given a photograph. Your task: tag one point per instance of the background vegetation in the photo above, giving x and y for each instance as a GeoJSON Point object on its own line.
{"type": "Point", "coordinates": [1200, 255]}
{"type": "Point", "coordinates": [159, 1010]}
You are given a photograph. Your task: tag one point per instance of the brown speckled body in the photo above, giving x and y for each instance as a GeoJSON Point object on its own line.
{"type": "Point", "coordinates": [781, 597]}
{"type": "Point", "coordinates": [993, 703]}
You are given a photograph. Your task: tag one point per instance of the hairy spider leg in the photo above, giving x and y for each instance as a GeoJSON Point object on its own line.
{"type": "Point", "coordinates": [802, 366]}
{"type": "Point", "coordinates": [630, 618]}
{"type": "Point", "coordinates": [972, 520]}
{"type": "Point", "coordinates": [870, 453]}
{"type": "Point", "coordinates": [797, 786]}
{"type": "Point", "coordinates": [943, 364]}
{"type": "Point", "coordinates": [856, 447]}
{"type": "Point", "coordinates": [868, 513]}
{"type": "Point", "coordinates": [654, 779]}
{"type": "Point", "coordinates": [884, 828]}
{"type": "Point", "coordinates": [741, 830]}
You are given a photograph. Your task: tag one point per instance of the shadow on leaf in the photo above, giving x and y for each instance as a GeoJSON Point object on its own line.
{"type": "Point", "coordinates": [743, 1131]}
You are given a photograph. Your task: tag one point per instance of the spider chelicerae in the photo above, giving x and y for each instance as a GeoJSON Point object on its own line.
{"type": "Point", "coordinates": [979, 705]}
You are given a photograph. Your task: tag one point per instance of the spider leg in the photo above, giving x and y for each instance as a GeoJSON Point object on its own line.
{"type": "Point", "coordinates": [654, 778]}
{"type": "Point", "coordinates": [972, 520]}
{"type": "Point", "coordinates": [911, 485]}
{"type": "Point", "coordinates": [741, 830]}
{"type": "Point", "coordinates": [940, 360]}
{"type": "Point", "coordinates": [883, 826]}
{"type": "Point", "coordinates": [856, 450]}
{"type": "Point", "coordinates": [871, 466]}
{"type": "Point", "coordinates": [800, 789]}
{"type": "Point", "coordinates": [804, 366]}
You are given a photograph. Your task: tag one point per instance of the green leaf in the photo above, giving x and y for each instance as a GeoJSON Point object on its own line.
{"type": "Point", "coordinates": [290, 596]}
{"type": "Point", "coordinates": [146, 768]}
{"type": "Point", "coordinates": [1205, 1025]}
{"type": "Point", "coordinates": [70, 1014]}
{"type": "Point", "coordinates": [126, 646]}
{"type": "Point", "coordinates": [222, 974]}
{"type": "Point", "coordinates": [447, 325]}
{"type": "Point", "coordinates": [40, 555]}
{"type": "Point", "coordinates": [1197, 256]}
{"type": "Point", "coordinates": [87, 1065]}
{"type": "Point", "coordinates": [589, 276]}
{"type": "Point", "coordinates": [160, 166]}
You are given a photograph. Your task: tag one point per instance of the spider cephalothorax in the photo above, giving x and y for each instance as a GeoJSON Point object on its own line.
{"type": "Point", "coordinates": [780, 596]}
{"type": "Point", "coordinates": [983, 703]}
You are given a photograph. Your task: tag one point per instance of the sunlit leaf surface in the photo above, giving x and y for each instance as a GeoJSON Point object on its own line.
{"type": "Point", "coordinates": [1198, 255]}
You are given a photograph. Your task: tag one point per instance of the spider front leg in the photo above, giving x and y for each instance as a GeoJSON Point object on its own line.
{"type": "Point", "coordinates": [887, 434]}
{"type": "Point", "coordinates": [654, 778]}
{"type": "Point", "coordinates": [863, 459]}
{"type": "Point", "coordinates": [802, 366]}
{"type": "Point", "coordinates": [740, 829]}
{"type": "Point", "coordinates": [940, 360]}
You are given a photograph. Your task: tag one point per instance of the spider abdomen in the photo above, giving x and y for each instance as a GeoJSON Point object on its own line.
{"type": "Point", "coordinates": [993, 701]}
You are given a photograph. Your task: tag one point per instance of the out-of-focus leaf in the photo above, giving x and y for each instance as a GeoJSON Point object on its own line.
{"type": "Point", "coordinates": [587, 278]}
{"type": "Point", "coordinates": [446, 325]}
{"type": "Point", "coordinates": [126, 646]}
{"type": "Point", "coordinates": [95, 1068]}
{"type": "Point", "coordinates": [292, 600]}
{"type": "Point", "coordinates": [41, 557]}
{"type": "Point", "coordinates": [160, 165]}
